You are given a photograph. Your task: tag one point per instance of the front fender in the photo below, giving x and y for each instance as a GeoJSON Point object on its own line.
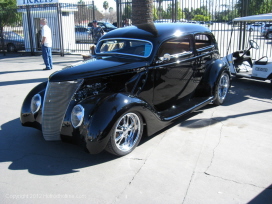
{"type": "Point", "coordinates": [100, 116]}
{"type": "Point", "coordinates": [26, 117]}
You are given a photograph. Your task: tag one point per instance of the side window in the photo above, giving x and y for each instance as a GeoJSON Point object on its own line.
{"type": "Point", "coordinates": [202, 41]}
{"type": "Point", "coordinates": [175, 46]}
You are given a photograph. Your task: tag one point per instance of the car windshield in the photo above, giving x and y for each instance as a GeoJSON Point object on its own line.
{"type": "Point", "coordinates": [139, 48]}
{"type": "Point", "coordinates": [81, 29]}
{"type": "Point", "coordinates": [11, 35]}
{"type": "Point", "coordinates": [109, 25]}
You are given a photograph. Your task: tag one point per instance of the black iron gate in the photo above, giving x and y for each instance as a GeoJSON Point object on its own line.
{"type": "Point", "coordinates": [70, 23]}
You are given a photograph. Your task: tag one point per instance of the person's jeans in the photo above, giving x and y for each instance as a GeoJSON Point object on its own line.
{"type": "Point", "coordinates": [47, 57]}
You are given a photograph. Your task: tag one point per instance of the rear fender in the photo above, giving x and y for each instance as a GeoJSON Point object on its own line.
{"type": "Point", "coordinates": [208, 82]}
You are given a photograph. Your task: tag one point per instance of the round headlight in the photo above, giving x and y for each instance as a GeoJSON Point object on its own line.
{"type": "Point", "coordinates": [77, 116]}
{"type": "Point", "coordinates": [36, 102]}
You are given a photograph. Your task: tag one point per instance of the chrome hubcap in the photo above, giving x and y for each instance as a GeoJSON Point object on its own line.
{"type": "Point", "coordinates": [127, 132]}
{"type": "Point", "coordinates": [223, 86]}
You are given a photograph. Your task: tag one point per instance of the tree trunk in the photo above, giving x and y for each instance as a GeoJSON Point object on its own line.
{"type": "Point", "coordinates": [142, 11]}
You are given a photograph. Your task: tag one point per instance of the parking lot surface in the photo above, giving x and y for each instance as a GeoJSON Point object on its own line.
{"type": "Point", "coordinates": [219, 154]}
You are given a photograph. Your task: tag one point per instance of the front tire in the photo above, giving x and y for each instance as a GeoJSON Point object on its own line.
{"type": "Point", "coordinates": [221, 88]}
{"type": "Point", "coordinates": [126, 134]}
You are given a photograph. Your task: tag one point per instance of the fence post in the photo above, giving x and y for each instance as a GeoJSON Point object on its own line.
{"type": "Point", "coordinates": [118, 10]}
{"type": "Point", "coordinates": [2, 37]}
{"type": "Point", "coordinates": [243, 24]}
{"type": "Point", "coordinates": [29, 23]}
{"type": "Point", "coordinates": [93, 11]}
{"type": "Point", "coordinates": [60, 29]}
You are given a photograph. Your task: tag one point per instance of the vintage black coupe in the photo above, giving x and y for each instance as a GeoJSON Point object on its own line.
{"type": "Point", "coordinates": [141, 78]}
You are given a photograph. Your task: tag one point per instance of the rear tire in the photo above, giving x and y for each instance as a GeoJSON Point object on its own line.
{"type": "Point", "coordinates": [221, 88]}
{"type": "Point", "coordinates": [126, 134]}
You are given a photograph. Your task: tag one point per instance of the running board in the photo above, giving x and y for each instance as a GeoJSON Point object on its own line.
{"type": "Point", "coordinates": [209, 100]}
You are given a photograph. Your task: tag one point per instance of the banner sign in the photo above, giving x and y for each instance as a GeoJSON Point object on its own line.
{"type": "Point", "coordinates": [37, 2]}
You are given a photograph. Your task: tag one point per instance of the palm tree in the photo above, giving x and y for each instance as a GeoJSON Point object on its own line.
{"type": "Point", "coordinates": [105, 5]}
{"type": "Point", "coordinates": [142, 11]}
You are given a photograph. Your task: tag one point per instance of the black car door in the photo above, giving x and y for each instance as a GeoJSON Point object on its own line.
{"type": "Point", "coordinates": [174, 78]}
{"type": "Point", "coordinates": [206, 51]}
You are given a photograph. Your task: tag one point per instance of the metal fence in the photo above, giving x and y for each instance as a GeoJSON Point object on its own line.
{"type": "Point", "coordinates": [70, 23]}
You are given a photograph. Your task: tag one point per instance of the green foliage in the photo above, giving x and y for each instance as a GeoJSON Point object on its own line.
{"type": "Point", "coordinates": [159, 13]}
{"type": "Point", "coordinates": [253, 7]}
{"type": "Point", "coordinates": [226, 15]}
{"type": "Point", "coordinates": [180, 14]}
{"type": "Point", "coordinates": [127, 12]}
{"type": "Point", "coordinates": [155, 14]}
{"type": "Point", "coordinates": [201, 18]}
{"type": "Point", "coordinates": [8, 13]}
{"type": "Point", "coordinates": [198, 13]}
{"type": "Point", "coordinates": [105, 5]}
{"type": "Point", "coordinates": [7, 4]}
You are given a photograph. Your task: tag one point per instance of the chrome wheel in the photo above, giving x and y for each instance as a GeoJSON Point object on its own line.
{"type": "Point", "coordinates": [126, 134]}
{"type": "Point", "coordinates": [222, 88]}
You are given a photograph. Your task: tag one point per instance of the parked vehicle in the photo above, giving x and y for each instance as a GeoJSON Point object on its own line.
{"type": "Point", "coordinates": [265, 29]}
{"type": "Point", "coordinates": [268, 33]}
{"type": "Point", "coordinates": [163, 21]}
{"type": "Point", "coordinates": [240, 62]}
{"type": "Point", "coordinates": [254, 27]}
{"type": "Point", "coordinates": [12, 42]}
{"type": "Point", "coordinates": [106, 26]}
{"type": "Point", "coordinates": [82, 34]}
{"type": "Point", "coordinates": [141, 79]}
{"type": "Point", "coordinates": [241, 65]}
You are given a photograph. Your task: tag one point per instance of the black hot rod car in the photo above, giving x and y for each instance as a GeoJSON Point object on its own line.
{"type": "Point", "coordinates": [141, 78]}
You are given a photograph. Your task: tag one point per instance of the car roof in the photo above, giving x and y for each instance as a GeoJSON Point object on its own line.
{"type": "Point", "coordinates": [156, 31]}
{"type": "Point", "coordinates": [255, 18]}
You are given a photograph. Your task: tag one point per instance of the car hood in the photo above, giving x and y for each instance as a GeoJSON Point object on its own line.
{"type": "Point", "coordinates": [94, 68]}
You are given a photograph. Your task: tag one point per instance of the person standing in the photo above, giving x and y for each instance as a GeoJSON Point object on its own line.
{"type": "Point", "coordinates": [46, 44]}
{"type": "Point", "coordinates": [97, 32]}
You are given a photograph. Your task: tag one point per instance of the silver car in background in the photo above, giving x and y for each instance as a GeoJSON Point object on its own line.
{"type": "Point", "coordinates": [82, 34]}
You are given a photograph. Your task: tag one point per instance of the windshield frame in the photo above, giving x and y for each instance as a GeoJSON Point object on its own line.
{"type": "Point", "coordinates": [119, 53]}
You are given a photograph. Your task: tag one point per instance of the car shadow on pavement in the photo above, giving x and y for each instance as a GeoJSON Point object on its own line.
{"type": "Point", "coordinates": [264, 197]}
{"type": "Point", "coordinates": [241, 90]}
{"type": "Point", "coordinates": [26, 149]}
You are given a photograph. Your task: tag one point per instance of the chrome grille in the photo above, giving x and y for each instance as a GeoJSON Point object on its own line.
{"type": "Point", "coordinates": [56, 100]}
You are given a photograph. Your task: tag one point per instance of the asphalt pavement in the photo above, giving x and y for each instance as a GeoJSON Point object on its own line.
{"type": "Point", "coordinates": [216, 155]}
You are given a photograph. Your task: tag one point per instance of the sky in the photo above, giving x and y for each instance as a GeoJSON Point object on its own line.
{"type": "Point", "coordinates": [99, 4]}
